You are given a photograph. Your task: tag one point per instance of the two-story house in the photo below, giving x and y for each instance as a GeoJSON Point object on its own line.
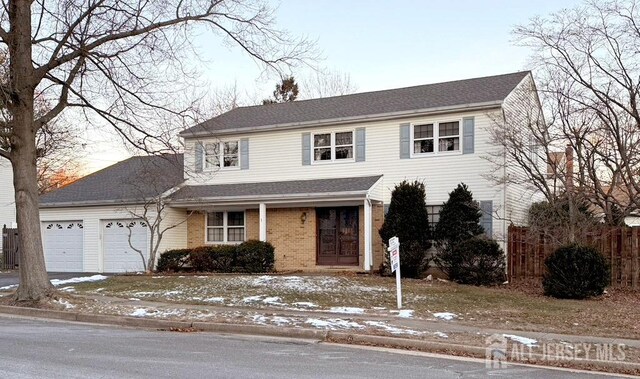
{"type": "Point", "coordinates": [312, 177]}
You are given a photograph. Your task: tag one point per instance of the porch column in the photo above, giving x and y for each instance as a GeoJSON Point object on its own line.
{"type": "Point", "coordinates": [367, 236]}
{"type": "Point", "coordinates": [263, 222]}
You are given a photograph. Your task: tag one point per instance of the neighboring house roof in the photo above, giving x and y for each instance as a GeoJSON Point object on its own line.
{"type": "Point", "coordinates": [491, 90]}
{"type": "Point", "coordinates": [127, 182]}
{"type": "Point", "coordinates": [311, 189]}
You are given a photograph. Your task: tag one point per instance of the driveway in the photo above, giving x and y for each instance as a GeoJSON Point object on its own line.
{"type": "Point", "coordinates": [8, 278]}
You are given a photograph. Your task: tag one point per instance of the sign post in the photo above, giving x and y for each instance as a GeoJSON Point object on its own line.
{"type": "Point", "coordinates": [394, 253]}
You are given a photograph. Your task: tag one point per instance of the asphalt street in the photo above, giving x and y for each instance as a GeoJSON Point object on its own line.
{"type": "Point", "coordinates": [48, 349]}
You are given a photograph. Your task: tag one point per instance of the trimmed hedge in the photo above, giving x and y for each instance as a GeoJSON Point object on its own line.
{"type": "Point", "coordinates": [576, 272]}
{"type": "Point", "coordinates": [478, 261]}
{"type": "Point", "coordinates": [173, 260]}
{"type": "Point", "coordinates": [250, 257]}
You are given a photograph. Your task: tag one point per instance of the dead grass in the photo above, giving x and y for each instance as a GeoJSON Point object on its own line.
{"type": "Point", "coordinates": [517, 307]}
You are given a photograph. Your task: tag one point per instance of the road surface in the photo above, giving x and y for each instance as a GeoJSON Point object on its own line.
{"type": "Point", "coordinates": [48, 349]}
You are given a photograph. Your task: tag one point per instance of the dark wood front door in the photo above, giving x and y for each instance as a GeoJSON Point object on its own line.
{"type": "Point", "coordinates": [337, 236]}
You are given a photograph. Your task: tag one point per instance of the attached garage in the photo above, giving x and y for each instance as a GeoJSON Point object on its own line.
{"type": "Point", "coordinates": [124, 244]}
{"type": "Point", "coordinates": [63, 246]}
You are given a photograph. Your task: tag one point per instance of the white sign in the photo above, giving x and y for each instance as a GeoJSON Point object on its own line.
{"type": "Point", "coordinates": [394, 253]}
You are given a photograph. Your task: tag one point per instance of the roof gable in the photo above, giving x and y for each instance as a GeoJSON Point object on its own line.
{"type": "Point", "coordinates": [460, 93]}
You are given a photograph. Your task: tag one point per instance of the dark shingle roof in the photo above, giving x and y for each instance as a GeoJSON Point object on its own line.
{"type": "Point", "coordinates": [291, 188]}
{"type": "Point", "coordinates": [125, 182]}
{"type": "Point", "coordinates": [430, 96]}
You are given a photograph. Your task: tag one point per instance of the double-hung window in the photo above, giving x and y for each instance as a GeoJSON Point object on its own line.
{"type": "Point", "coordinates": [225, 227]}
{"type": "Point", "coordinates": [216, 152]}
{"type": "Point", "coordinates": [334, 146]}
{"type": "Point", "coordinates": [438, 137]}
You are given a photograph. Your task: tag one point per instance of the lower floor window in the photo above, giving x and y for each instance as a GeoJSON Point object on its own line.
{"type": "Point", "coordinates": [225, 227]}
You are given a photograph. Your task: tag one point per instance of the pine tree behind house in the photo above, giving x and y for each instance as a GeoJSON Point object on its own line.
{"type": "Point", "coordinates": [408, 220]}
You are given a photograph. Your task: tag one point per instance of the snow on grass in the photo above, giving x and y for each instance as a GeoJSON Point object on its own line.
{"type": "Point", "coordinates": [305, 284]}
{"type": "Point", "coordinates": [81, 279]}
{"type": "Point", "coordinates": [333, 323]}
{"type": "Point", "coordinates": [252, 299]}
{"type": "Point", "coordinates": [67, 305]}
{"type": "Point", "coordinates": [172, 293]}
{"type": "Point", "coordinates": [441, 335]}
{"type": "Point", "coordinates": [134, 299]}
{"type": "Point", "coordinates": [273, 300]}
{"type": "Point", "coordinates": [60, 282]}
{"type": "Point", "coordinates": [445, 315]}
{"type": "Point", "coordinates": [347, 310]}
{"type": "Point", "coordinates": [214, 300]}
{"type": "Point", "coordinates": [404, 313]}
{"type": "Point", "coordinates": [530, 342]}
{"type": "Point", "coordinates": [305, 304]}
{"type": "Point", "coordinates": [392, 329]}
{"type": "Point", "coordinates": [68, 289]}
{"type": "Point", "coordinates": [139, 312]}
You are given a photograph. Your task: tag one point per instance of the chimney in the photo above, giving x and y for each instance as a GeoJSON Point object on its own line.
{"type": "Point", "coordinates": [568, 153]}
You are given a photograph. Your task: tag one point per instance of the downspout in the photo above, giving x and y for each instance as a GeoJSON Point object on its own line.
{"type": "Point", "coordinates": [369, 228]}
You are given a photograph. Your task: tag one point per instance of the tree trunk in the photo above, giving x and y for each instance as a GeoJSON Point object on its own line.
{"type": "Point", "coordinates": [34, 283]}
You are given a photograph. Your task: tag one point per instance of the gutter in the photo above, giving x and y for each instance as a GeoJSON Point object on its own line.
{"type": "Point", "coordinates": [262, 198]}
{"type": "Point", "coordinates": [344, 120]}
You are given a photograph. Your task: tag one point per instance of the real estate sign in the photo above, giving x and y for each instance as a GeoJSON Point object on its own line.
{"type": "Point", "coordinates": [394, 253]}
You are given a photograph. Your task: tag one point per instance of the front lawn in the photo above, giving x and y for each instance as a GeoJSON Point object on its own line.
{"type": "Point", "coordinates": [506, 307]}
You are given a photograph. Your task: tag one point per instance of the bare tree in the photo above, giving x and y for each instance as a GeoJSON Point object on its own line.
{"type": "Point", "coordinates": [152, 190]}
{"type": "Point", "coordinates": [588, 76]}
{"type": "Point", "coordinates": [120, 64]}
{"type": "Point", "coordinates": [326, 83]}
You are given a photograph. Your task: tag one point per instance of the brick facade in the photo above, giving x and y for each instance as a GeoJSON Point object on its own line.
{"type": "Point", "coordinates": [294, 236]}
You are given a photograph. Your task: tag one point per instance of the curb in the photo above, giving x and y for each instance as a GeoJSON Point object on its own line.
{"type": "Point", "coordinates": [297, 333]}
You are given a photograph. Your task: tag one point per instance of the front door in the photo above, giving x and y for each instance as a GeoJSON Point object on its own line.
{"type": "Point", "coordinates": [337, 236]}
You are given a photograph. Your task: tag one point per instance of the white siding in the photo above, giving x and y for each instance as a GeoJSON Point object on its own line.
{"type": "Point", "coordinates": [520, 108]}
{"type": "Point", "coordinates": [92, 219]}
{"type": "Point", "coordinates": [7, 199]}
{"type": "Point", "coordinates": [277, 155]}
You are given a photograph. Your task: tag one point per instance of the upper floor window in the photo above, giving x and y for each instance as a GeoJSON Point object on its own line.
{"type": "Point", "coordinates": [225, 227]}
{"type": "Point", "coordinates": [333, 146]}
{"type": "Point", "coordinates": [216, 152]}
{"type": "Point", "coordinates": [436, 137]}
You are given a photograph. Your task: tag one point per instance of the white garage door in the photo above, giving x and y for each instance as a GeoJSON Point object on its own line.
{"type": "Point", "coordinates": [119, 256]}
{"type": "Point", "coordinates": [63, 246]}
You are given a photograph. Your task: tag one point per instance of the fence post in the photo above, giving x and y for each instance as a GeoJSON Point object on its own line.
{"type": "Point", "coordinates": [635, 270]}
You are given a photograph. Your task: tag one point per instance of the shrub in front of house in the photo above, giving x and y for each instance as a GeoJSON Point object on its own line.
{"type": "Point", "coordinates": [222, 258]}
{"type": "Point", "coordinates": [200, 259]}
{"type": "Point", "coordinates": [459, 221]}
{"type": "Point", "coordinates": [478, 261]}
{"type": "Point", "coordinates": [173, 260]}
{"type": "Point", "coordinates": [408, 220]}
{"type": "Point", "coordinates": [575, 272]}
{"type": "Point", "coordinates": [255, 256]}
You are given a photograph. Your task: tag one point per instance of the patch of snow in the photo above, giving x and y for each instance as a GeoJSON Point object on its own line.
{"type": "Point", "coordinates": [252, 299]}
{"type": "Point", "coordinates": [347, 310]}
{"type": "Point", "coordinates": [333, 323]}
{"type": "Point", "coordinates": [274, 300]}
{"type": "Point", "coordinates": [392, 329]}
{"type": "Point", "coordinates": [445, 315]}
{"type": "Point", "coordinates": [6, 288]}
{"type": "Point", "coordinates": [171, 293]}
{"type": "Point", "coordinates": [259, 319]}
{"type": "Point", "coordinates": [404, 313]}
{"type": "Point", "coordinates": [67, 305]}
{"type": "Point", "coordinates": [140, 312]}
{"type": "Point", "coordinates": [201, 277]}
{"type": "Point", "coordinates": [99, 290]}
{"type": "Point", "coordinates": [81, 279]}
{"type": "Point", "coordinates": [530, 342]}
{"type": "Point", "coordinates": [379, 308]}
{"type": "Point", "coordinates": [441, 335]}
{"type": "Point", "coordinates": [305, 304]}
{"type": "Point", "coordinates": [134, 299]}
{"type": "Point", "coordinates": [158, 277]}
{"type": "Point", "coordinates": [68, 289]}
{"type": "Point", "coordinates": [214, 300]}
{"type": "Point", "coordinates": [144, 293]}
{"type": "Point", "coordinates": [280, 320]}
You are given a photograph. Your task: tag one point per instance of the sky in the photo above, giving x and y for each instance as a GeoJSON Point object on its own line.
{"type": "Point", "coordinates": [380, 44]}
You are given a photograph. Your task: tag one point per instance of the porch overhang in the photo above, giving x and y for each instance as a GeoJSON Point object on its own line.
{"type": "Point", "coordinates": [334, 190]}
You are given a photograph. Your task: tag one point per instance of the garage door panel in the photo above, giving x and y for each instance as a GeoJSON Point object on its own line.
{"type": "Point", "coordinates": [63, 246]}
{"type": "Point", "coordinates": [118, 238]}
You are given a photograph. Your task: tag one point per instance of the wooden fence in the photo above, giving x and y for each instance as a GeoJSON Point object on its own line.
{"type": "Point", "coordinates": [10, 253]}
{"type": "Point", "coordinates": [620, 246]}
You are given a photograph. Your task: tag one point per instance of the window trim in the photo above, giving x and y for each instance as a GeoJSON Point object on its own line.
{"type": "Point", "coordinates": [220, 165]}
{"type": "Point", "coordinates": [225, 228]}
{"type": "Point", "coordinates": [436, 138]}
{"type": "Point", "coordinates": [333, 146]}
